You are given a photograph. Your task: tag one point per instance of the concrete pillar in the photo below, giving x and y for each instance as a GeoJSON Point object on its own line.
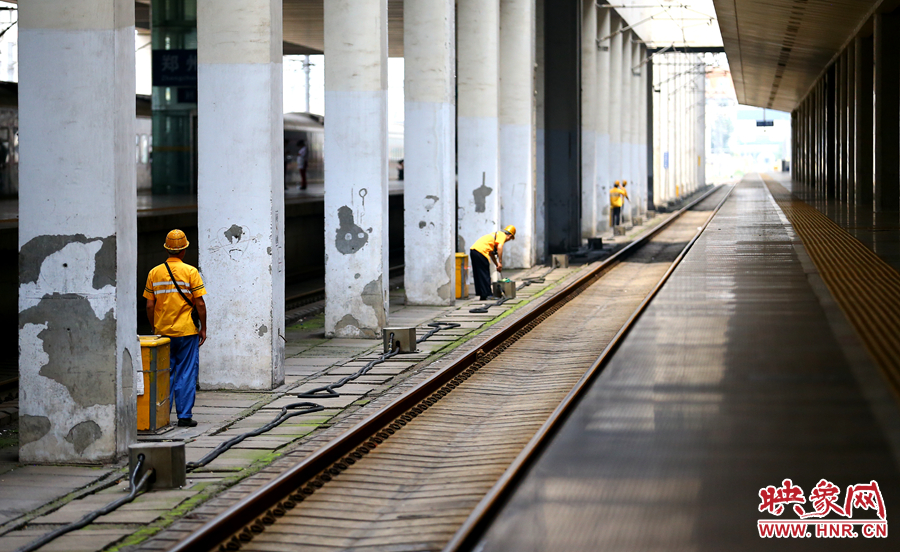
{"type": "Point", "coordinates": [517, 190]}
{"type": "Point", "coordinates": [562, 48]}
{"type": "Point", "coordinates": [356, 195]}
{"type": "Point", "coordinates": [240, 191]}
{"type": "Point", "coordinates": [886, 193]}
{"type": "Point", "coordinates": [849, 125]}
{"type": "Point", "coordinates": [78, 350]}
{"type": "Point", "coordinates": [478, 130]}
{"type": "Point", "coordinates": [831, 136]}
{"type": "Point", "coordinates": [637, 122]}
{"type": "Point", "coordinates": [603, 183]}
{"type": "Point", "coordinates": [589, 107]}
{"type": "Point", "coordinates": [839, 73]}
{"type": "Point", "coordinates": [649, 133]}
{"type": "Point", "coordinates": [701, 122]}
{"type": "Point", "coordinates": [429, 50]}
{"type": "Point", "coordinates": [615, 101]}
{"type": "Point", "coordinates": [863, 145]}
{"type": "Point", "coordinates": [627, 146]}
{"type": "Point", "coordinates": [540, 235]}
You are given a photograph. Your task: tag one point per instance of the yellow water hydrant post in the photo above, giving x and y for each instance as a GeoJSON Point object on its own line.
{"type": "Point", "coordinates": [153, 406]}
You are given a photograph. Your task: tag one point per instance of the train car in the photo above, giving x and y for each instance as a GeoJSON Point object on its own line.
{"type": "Point", "coordinates": [311, 128]}
{"type": "Point", "coordinates": [297, 126]}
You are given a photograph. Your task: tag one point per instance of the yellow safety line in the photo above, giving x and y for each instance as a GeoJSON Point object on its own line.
{"type": "Point", "coordinates": [865, 287]}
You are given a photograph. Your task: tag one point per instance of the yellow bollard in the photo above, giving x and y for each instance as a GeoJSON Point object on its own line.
{"type": "Point", "coordinates": [153, 406]}
{"type": "Point", "coordinates": [462, 276]}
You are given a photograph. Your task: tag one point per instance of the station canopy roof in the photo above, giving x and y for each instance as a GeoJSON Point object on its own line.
{"type": "Point", "coordinates": [777, 49]}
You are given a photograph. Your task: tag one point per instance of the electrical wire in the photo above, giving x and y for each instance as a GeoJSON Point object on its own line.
{"type": "Point", "coordinates": [136, 489]}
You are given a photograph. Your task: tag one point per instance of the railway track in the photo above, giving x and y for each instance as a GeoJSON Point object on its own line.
{"type": "Point", "coordinates": [431, 467]}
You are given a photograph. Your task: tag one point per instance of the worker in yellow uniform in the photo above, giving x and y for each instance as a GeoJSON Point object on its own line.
{"type": "Point", "coordinates": [617, 197]}
{"type": "Point", "coordinates": [488, 247]}
{"type": "Point", "coordinates": [174, 289]}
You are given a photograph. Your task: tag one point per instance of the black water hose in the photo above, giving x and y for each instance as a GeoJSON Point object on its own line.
{"type": "Point", "coordinates": [525, 283]}
{"type": "Point", "coordinates": [300, 408]}
{"type": "Point", "coordinates": [436, 327]}
{"type": "Point", "coordinates": [136, 489]}
{"type": "Point", "coordinates": [328, 391]}
{"type": "Point", "coordinates": [286, 414]}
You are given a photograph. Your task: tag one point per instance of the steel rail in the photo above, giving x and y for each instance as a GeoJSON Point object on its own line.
{"type": "Point", "coordinates": [484, 513]}
{"type": "Point", "coordinates": [259, 504]}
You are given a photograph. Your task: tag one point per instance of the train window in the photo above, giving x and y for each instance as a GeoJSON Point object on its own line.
{"type": "Point", "coordinates": [137, 148]}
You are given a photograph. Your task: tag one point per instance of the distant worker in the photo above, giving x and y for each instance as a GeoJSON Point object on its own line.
{"type": "Point", "coordinates": [302, 156]}
{"type": "Point", "coordinates": [488, 247]}
{"type": "Point", "coordinates": [400, 170]}
{"type": "Point", "coordinates": [174, 289]}
{"type": "Point", "coordinates": [617, 197]}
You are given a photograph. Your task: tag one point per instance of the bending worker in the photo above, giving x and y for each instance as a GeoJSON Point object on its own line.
{"type": "Point", "coordinates": [617, 197]}
{"type": "Point", "coordinates": [174, 289]}
{"type": "Point", "coordinates": [489, 246]}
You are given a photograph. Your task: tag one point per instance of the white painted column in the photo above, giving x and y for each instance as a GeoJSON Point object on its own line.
{"type": "Point", "coordinates": [627, 116]}
{"type": "Point", "coordinates": [430, 160]}
{"type": "Point", "coordinates": [637, 119]}
{"type": "Point", "coordinates": [642, 142]}
{"type": "Point", "coordinates": [477, 123]}
{"type": "Point", "coordinates": [240, 192]}
{"type": "Point", "coordinates": [615, 101]}
{"type": "Point", "coordinates": [604, 178]}
{"type": "Point", "coordinates": [356, 193]}
{"type": "Point", "coordinates": [589, 206]}
{"type": "Point", "coordinates": [701, 122]}
{"type": "Point", "coordinates": [540, 241]}
{"type": "Point", "coordinates": [517, 191]}
{"type": "Point", "coordinates": [78, 350]}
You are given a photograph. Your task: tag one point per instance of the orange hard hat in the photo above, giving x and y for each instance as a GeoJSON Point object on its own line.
{"type": "Point", "coordinates": [511, 230]}
{"type": "Point", "coordinates": [176, 241]}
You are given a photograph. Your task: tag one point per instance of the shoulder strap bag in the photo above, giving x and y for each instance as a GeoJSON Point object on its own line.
{"type": "Point", "coordinates": [195, 316]}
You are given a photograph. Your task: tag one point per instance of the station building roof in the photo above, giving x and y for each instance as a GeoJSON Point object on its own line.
{"type": "Point", "coordinates": [777, 49]}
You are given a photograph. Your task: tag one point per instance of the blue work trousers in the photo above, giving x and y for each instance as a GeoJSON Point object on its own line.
{"type": "Point", "coordinates": [184, 363]}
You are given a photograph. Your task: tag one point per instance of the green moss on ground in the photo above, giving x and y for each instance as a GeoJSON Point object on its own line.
{"type": "Point", "coordinates": [316, 322]}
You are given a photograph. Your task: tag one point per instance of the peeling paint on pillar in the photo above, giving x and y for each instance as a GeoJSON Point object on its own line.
{"type": "Point", "coordinates": [64, 341]}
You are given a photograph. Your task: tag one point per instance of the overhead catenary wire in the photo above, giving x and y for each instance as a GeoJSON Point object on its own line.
{"type": "Point", "coordinates": [136, 488]}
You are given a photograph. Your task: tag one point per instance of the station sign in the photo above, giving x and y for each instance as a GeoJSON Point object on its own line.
{"type": "Point", "coordinates": [174, 68]}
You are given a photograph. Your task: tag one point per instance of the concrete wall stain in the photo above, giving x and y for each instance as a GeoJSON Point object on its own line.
{"type": "Point", "coordinates": [430, 200]}
{"type": "Point", "coordinates": [350, 238]}
{"type": "Point", "coordinates": [448, 290]}
{"type": "Point", "coordinates": [348, 321]}
{"type": "Point", "coordinates": [32, 429]}
{"type": "Point", "coordinates": [480, 195]}
{"type": "Point", "coordinates": [76, 342]}
{"type": "Point", "coordinates": [373, 296]}
{"type": "Point", "coordinates": [82, 435]}
{"type": "Point", "coordinates": [422, 224]}
{"type": "Point", "coordinates": [33, 254]}
{"type": "Point", "coordinates": [262, 330]}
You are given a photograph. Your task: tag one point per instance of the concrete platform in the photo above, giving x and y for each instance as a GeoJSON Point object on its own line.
{"type": "Point", "coordinates": [57, 495]}
{"type": "Point", "coordinates": [743, 372]}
